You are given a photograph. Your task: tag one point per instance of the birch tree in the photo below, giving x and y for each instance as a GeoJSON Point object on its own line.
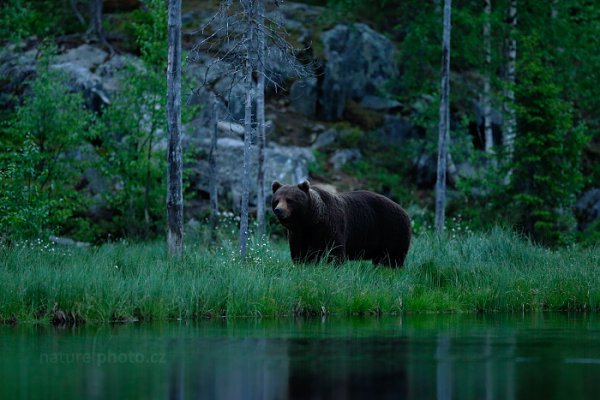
{"type": "Point", "coordinates": [212, 173]}
{"type": "Point", "coordinates": [242, 38]}
{"type": "Point", "coordinates": [443, 134]}
{"type": "Point", "coordinates": [174, 157]}
{"type": "Point", "coordinates": [510, 120]}
{"type": "Point", "coordinates": [260, 118]}
{"type": "Point", "coordinates": [486, 96]}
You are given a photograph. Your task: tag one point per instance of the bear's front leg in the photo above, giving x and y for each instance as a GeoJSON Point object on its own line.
{"type": "Point", "coordinates": [298, 250]}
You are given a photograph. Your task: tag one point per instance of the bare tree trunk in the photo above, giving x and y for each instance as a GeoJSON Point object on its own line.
{"type": "Point", "coordinates": [260, 117]}
{"type": "Point", "coordinates": [510, 121]}
{"type": "Point", "coordinates": [73, 4]}
{"type": "Point", "coordinates": [174, 157]}
{"type": "Point", "coordinates": [96, 24]}
{"type": "Point", "coordinates": [212, 166]}
{"type": "Point", "coordinates": [487, 107]}
{"type": "Point", "coordinates": [443, 134]}
{"type": "Point", "coordinates": [249, 9]}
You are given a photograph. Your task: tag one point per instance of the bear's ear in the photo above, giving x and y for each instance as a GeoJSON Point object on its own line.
{"type": "Point", "coordinates": [276, 185]}
{"type": "Point", "coordinates": [304, 186]}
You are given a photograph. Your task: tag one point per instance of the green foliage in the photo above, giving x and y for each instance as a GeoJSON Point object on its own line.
{"type": "Point", "coordinates": [546, 173]}
{"type": "Point", "coordinates": [41, 164]}
{"type": "Point", "coordinates": [383, 168]}
{"type": "Point", "coordinates": [150, 28]}
{"type": "Point", "coordinates": [23, 18]}
{"type": "Point", "coordinates": [131, 157]}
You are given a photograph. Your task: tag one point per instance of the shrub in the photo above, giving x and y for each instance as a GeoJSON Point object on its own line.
{"type": "Point", "coordinates": [40, 166]}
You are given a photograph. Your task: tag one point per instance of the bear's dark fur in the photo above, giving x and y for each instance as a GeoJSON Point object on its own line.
{"type": "Point", "coordinates": [344, 226]}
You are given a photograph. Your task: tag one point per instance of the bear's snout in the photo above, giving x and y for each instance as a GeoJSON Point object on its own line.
{"type": "Point", "coordinates": [280, 212]}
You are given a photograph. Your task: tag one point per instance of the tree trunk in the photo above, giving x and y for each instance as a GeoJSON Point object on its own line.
{"type": "Point", "coordinates": [174, 157]}
{"type": "Point", "coordinates": [212, 173]}
{"type": "Point", "coordinates": [96, 24]}
{"type": "Point", "coordinates": [510, 120]}
{"type": "Point", "coordinates": [486, 100]}
{"type": "Point", "coordinates": [443, 134]}
{"type": "Point", "coordinates": [260, 117]}
{"type": "Point", "coordinates": [249, 9]}
{"type": "Point", "coordinates": [73, 4]}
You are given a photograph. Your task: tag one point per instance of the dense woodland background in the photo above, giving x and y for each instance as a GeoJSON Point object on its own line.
{"type": "Point", "coordinates": [85, 162]}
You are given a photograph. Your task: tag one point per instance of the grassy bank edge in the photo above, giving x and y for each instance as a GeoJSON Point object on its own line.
{"type": "Point", "coordinates": [495, 271]}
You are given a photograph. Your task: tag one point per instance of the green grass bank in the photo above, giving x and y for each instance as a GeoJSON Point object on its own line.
{"type": "Point", "coordinates": [495, 271]}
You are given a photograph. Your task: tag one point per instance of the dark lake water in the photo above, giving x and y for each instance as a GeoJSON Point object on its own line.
{"type": "Point", "coordinates": [545, 356]}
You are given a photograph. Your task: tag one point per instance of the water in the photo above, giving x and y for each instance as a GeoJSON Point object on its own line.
{"type": "Point", "coordinates": [549, 356]}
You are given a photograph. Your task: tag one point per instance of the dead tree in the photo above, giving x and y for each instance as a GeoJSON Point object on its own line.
{"type": "Point", "coordinates": [241, 37]}
{"type": "Point", "coordinates": [443, 134]}
{"type": "Point", "coordinates": [260, 119]}
{"type": "Point", "coordinates": [174, 156]}
{"type": "Point", "coordinates": [486, 97]}
{"type": "Point", "coordinates": [510, 119]}
{"type": "Point", "coordinates": [250, 10]}
{"type": "Point", "coordinates": [212, 173]}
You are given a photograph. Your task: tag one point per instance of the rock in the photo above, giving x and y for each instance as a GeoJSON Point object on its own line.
{"type": "Point", "coordinates": [303, 96]}
{"type": "Point", "coordinates": [201, 126]}
{"type": "Point", "coordinates": [232, 91]}
{"type": "Point", "coordinates": [344, 156]}
{"type": "Point", "coordinates": [280, 67]}
{"type": "Point", "coordinates": [358, 62]}
{"type": "Point", "coordinates": [17, 67]}
{"type": "Point", "coordinates": [63, 241]}
{"type": "Point", "coordinates": [587, 208]}
{"type": "Point", "coordinates": [396, 130]}
{"type": "Point", "coordinates": [326, 186]}
{"type": "Point", "coordinates": [230, 129]}
{"type": "Point", "coordinates": [85, 56]}
{"type": "Point", "coordinates": [283, 163]}
{"type": "Point", "coordinates": [379, 103]}
{"type": "Point", "coordinates": [326, 138]}
{"type": "Point", "coordinates": [204, 70]}
{"type": "Point", "coordinates": [425, 171]}
{"type": "Point", "coordinates": [78, 63]}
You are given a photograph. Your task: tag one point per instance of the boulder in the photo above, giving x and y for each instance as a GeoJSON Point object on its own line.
{"type": "Point", "coordinates": [396, 130]}
{"type": "Point", "coordinates": [326, 138]}
{"type": "Point", "coordinates": [79, 64]}
{"type": "Point", "coordinates": [379, 103]}
{"type": "Point", "coordinates": [283, 163]}
{"type": "Point", "coordinates": [232, 92]}
{"type": "Point", "coordinates": [344, 156]}
{"type": "Point", "coordinates": [17, 67]}
{"type": "Point", "coordinates": [303, 96]}
{"type": "Point", "coordinates": [358, 62]}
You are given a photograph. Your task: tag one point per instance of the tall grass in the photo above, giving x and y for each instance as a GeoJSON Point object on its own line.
{"type": "Point", "coordinates": [495, 271]}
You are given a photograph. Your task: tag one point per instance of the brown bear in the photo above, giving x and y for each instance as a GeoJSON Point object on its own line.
{"type": "Point", "coordinates": [343, 226]}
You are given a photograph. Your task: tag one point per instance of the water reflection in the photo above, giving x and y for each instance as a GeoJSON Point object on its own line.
{"type": "Point", "coordinates": [414, 357]}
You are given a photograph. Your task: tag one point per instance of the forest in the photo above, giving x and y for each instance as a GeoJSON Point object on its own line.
{"type": "Point", "coordinates": [151, 152]}
{"type": "Point", "coordinates": [86, 160]}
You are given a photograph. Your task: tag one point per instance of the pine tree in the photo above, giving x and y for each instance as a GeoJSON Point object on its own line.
{"type": "Point", "coordinates": [546, 171]}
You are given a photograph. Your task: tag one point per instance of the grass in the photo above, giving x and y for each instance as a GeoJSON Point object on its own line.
{"type": "Point", "coordinates": [495, 271]}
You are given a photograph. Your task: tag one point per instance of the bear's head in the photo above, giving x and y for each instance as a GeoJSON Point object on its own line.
{"type": "Point", "coordinates": [291, 203]}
